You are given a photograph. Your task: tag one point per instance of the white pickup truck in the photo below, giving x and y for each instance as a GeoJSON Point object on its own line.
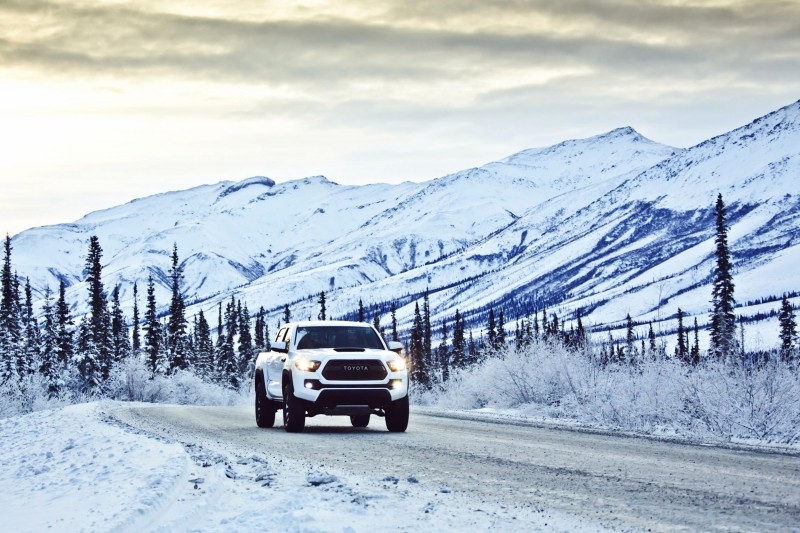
{"type": "Point", "coordinates": [331, 368]}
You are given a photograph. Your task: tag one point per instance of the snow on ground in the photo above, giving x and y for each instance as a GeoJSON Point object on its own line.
{"type": "Point", "coordinates": [78, 469]}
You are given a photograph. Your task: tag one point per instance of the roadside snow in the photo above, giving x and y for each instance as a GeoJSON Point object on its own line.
{"type": "Point", "coordinates": [78, 469]}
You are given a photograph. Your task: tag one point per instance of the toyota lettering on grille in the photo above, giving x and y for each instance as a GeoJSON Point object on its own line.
{"type": "Point", "coordinates": [355, 368]}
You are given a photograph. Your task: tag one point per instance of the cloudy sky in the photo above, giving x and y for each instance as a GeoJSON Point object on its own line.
{"type": "Point", "coordinates": [107, 100]}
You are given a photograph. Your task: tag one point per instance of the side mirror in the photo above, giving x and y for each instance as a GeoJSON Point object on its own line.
{"type": "Point", "coordinates": [396, 347]}
{"type": "Point", "coordinates": [282, 347]}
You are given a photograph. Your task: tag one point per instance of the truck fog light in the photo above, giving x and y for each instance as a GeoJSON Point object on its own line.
{"type": "Point", "coordinates": [309, 385]}
{"type": "Point", "coordinates": [396, 384]}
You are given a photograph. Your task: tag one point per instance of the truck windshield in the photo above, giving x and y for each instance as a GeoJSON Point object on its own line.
{"type": "Point", "coordinates": [311, 337]}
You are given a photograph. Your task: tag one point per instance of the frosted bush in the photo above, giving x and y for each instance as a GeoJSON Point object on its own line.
{"type": "Point", "coordinates": [660, 397]}
{"type": "Point", "coordinates": [133, 381]}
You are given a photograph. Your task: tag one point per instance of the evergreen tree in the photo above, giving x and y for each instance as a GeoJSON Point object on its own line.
{"type": "Point", "coordinates": [204, 347]}
{"type": "Point", "coordinates": [27, 361]}
{"type": "Point", "coordinates": [10, 334]}
{"type": "Point", "coordinates": [545, 325]}
{"type": "Point", "coordinates": [219, 347]}
{"type": "Point", "coordinates": [152, 330]}
{"type": "Point", "coordinates": [500, 336]}
{"type": "Point", "coordinates": [361, 316]}
{"type": "Point", "coordinates": [788, 329]}
{"type": "Point", "coordinates": [176, 324]}
{"type": "Point", "coordinates": [259, 337]}
{"type": "Point", "coordinates": [287, 315]}
{"type": "Point", "coordinates": [723, 321]}
{"type": "Point", "coordinates": [695, 354]}
{"type": "Point", "coordinates": [88, 358]}
{"type": "Point", "coordinates": [246, 352]}
{"type": "Point", "coordinates": [629, 338]}
{"type": "Point", "coordinates": [459, 355]}
{"type": "Point", "coordinates": [49, 366]}
{"type": "Point", "coordinates": [581, 334]}
{"type": "Point", "coordinates": [376, 319]}
{"type": "Point", "coordinates": [394, 321]}
{"type": "Point", "coordinates": [228, 365]}
{"type": "Point", "coordinates": [119, 329]}
{"type": "Point", "coordinates": [472, 350]}
{"type": "Point", "coordinates": [554, 325]}
{"type": "Point", "coordinates": [97, 342]}
{"type": "Point", "coordinates": [535, 326]}
{"type": "Point", "coordinates": [419, 368]}
{"type": "Point", "coordinates": [443, 354]}
{"type": "Point", "coordinates": [491, 331]}
{"type": "Point", "coordinates": [651, 336]}
{"type": "Point", "coordinates": [136, 345]}
{"type": "Point", "coordinates": [64, 341]}
{"type": "Point", "coordinates": [321, 302]}
{"type": "Point", "coordinates": [426, 333]}
{"type": "Point", "coordinates": [681, 350]}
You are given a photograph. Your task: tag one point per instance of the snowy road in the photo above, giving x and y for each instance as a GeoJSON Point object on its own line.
{"type": "Point", "coordinates": [616, 481]}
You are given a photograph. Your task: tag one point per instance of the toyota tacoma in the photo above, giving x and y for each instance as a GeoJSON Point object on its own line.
{"type": "Point", "coordinates": [331, 368]}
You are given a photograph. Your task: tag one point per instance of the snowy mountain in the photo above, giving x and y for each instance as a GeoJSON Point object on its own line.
{"type": "Point", "coordinates": [615, 224]}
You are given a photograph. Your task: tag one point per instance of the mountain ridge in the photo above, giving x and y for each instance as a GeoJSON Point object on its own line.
{"type": "Point", "coordinates": [571, 224]}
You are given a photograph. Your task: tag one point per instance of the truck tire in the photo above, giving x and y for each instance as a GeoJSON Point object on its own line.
{"type": "Point", "coordinates": [265, 411]}
{"type": "Point", "coordinates": [294, 414]}
{"type": "Point", "coordinates": [397, 415]}
{"type": "Point", "coordinates": [359, 421]}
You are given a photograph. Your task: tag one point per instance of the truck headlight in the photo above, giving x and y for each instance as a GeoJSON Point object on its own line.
{"type": "Point", "coordinates": [397, 365]}
{"type": "Point", "coordinates": [306, 365]}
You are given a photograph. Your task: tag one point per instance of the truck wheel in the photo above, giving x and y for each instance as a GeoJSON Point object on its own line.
{"type": "Point", "coordinates": [397, 415]}
{"type": "Point", "coordinates": [294, 415]}
{"type": "Point", "coordinates": [359, 421]}
{"type": "Point", "coordinates": [265, 412]}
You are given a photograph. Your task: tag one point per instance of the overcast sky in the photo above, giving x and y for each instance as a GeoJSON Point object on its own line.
{"type": "Point", "coordinates": [105, 101]}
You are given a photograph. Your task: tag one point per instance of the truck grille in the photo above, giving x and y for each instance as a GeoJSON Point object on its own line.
{"type": "Point", "coordinates": [349, 370]}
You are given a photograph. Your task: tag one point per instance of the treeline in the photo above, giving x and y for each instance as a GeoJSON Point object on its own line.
{"type": "Point", "coordinates": [431, 366]}
{"type": "Point", "coordinates": [81, 358]}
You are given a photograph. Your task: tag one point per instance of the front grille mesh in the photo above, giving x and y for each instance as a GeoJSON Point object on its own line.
{"type": "Point", "coordinates": [349, 370]}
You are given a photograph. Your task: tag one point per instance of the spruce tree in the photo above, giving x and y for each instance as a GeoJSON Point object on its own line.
{"type": "Point", "coordinates": [204, 347]}
{"type": "Point", "coordinates": [788, 329]}
{"type": "Point", "coordinates": [581, 334]}
{"type": "Point", "coordinates": [500, 336]}
{"type": "Point", "coordinates": [96, 343]}
{"type": "Point", "coordinates": [393, 314]}
{"type": "Point", "coordinates": [321, 302]}
{"type": "Point", "coordinates": [426, 333]}
{"type": "Point", "coordinates": [491, 331]}
{"type": "Point", "coordinates": [651, 337]}
{"type": "Point", "coordinates": [246, 351]}
{"type": "Point", "coordinates": [49, 367]}
{"type": "Point", "coordinates": [10, 334]}
{"type": "Point", "coordinates": [27, 361]}
{"type": "Point", "coordinates": [287, 315]}
{"type": "Point", "coordinates": [629, 338]}
{"type": "Point", "coordinates": [64, 334]}
{"type": "Point", "coordinates": [681, 349]}
{"type": "Point", "coordinates": [443, 354]}
{"type": "Point", "coordinates": [119, 329]}
{"type": "Point", "coordinates": [695, 353]}
{"type": "Point", "coordinates": [260, 338]}
{"type": "Point", "coordinates": [361, 316]}
{"type": "Point", "coordinates": [472, 350]}
{"type": "Point", "coordinates": [152, 330]}
{"type": "Point", "coordinates": [136, 344]}
{"type": "Point", "coordinates": [535, 325]}
{"type": "Point", "coordinates": [459, 356]}
{"type": "Point", "coordinates": [723, 321]}
{"type": "Point", "coordinates": [219, 347]}
{"type": "Point", "coordinates": [176, 325]}
{"type": "Point", "coordinates": [419, 367]}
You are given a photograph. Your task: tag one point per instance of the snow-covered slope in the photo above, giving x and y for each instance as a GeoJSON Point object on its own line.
{"type": "Point", "coordinates": [614, 223]}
